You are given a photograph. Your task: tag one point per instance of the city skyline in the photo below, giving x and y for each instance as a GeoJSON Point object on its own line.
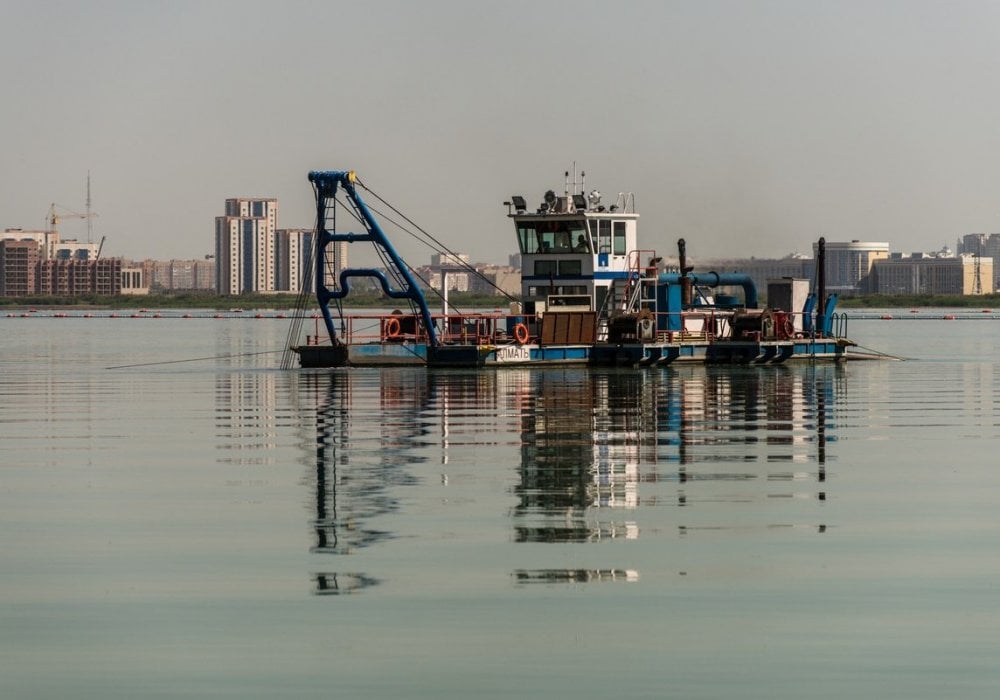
{"type": "Point", "coordinates": [746, 128]}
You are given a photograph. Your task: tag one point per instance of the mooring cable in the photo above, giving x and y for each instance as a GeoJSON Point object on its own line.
{"type": "Point", "coordinates": [196, 359]}
{"type": "Point", "coordinates": [880, 354]}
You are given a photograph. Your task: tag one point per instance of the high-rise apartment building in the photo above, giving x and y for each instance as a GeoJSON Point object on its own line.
{"type": "Point", "coordinates": [295, 264]}
{"type": "Point", "coordinates": [293, 260]}
{"type": "Point", "coordinates": [245, 246]}
{"type": "Point", "coordinates": [18, 267]}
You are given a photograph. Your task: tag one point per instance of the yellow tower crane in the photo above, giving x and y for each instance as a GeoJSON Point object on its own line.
{"type": "Point", "coordinates": [55, 216]}
{"type": "Point", "coordinates": [53, 219]}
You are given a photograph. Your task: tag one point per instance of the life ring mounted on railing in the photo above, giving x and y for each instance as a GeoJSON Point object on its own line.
{"type": "Point", "coordinates": [521, 333]}
{"type": "Point", "coordinates": [788, 327]}
{"type": "Point", "coordinates": [392, 328]}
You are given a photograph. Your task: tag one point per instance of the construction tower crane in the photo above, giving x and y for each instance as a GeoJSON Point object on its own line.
{"type": "Point", "coordinates": [977, 282]}
{"type": "Point", "coordinates": [55, 216]}
{"type": "Point", "coordinates": [52, 229]}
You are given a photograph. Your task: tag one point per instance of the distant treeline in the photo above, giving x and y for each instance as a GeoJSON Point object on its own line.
{"type": "Point", "coordinates": [207, 300]}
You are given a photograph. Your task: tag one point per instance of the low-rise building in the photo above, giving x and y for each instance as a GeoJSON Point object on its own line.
{"type": "Point", "coordinates": [178, 275]}
{"type": "Point", "coordinates": [921, 273]}
{"type": "Point", "coordinates": [134, 280]}
{"type": "Point", "coordinates": [986, 245]}
{"type": "Point", "coordinates": [497, 280]}
{"type": "Point", "coordinates": [760, 270]}
{"type": "Point", "coordinates": [73, 269]}
{"type": "Point", "coordinates": [62, 277]}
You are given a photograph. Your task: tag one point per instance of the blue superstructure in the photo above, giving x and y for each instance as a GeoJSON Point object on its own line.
{"type": "Point", "coordinates": [326, 184]}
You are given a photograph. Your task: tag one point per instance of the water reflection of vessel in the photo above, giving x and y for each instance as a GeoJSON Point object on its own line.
{"type": "Point", "coordinates": [353, 492]}
{"type": "Point", "coordinates": [599, 447]}
{"type": "Point", "coordinates": [573, 455]}
{"type": "Point", "coordinates": [590, 296]}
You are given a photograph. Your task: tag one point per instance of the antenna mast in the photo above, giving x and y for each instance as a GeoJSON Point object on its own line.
{"type": "Point", "coordinates": [581, 183]}
{"type": "Point", "coordinates": [90, 225]}
{"type": "Point", "coordinates": [977, 282]}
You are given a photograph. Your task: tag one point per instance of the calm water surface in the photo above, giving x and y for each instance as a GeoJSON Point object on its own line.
{"type": "Point", "coordinates": [223, 528]}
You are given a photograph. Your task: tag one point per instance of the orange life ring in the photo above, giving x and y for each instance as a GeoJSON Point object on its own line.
{"type": "Point", "coordinates": [521, 333]}
{"type": "Point", "coordinates": [392, 328]}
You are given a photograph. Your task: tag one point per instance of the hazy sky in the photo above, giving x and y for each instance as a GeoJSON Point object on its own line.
{"type": "Point", "coordinates": [748, 128]}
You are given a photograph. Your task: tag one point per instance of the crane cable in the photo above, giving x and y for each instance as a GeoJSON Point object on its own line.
{"type": "Point", "coordinates": [440, 247]}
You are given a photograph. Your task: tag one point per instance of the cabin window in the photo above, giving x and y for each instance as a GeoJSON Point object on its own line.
{"type": "Point", "coordinates": [600, 293]}
{"type": "Point", "coordinates": [562, 268]}
{"type": "Point", "coordinates": [548, 289]}
{"type": "Point", "coordinates": [545, 268]}
{"type": "Point", "coordinates": [620, 248]}
{"type": "Point", "coordinates": [604, 236]}
{"type": "Point", "coordinates": [570, 300]}
{"type": "Point", "coordinates": [570, 268]}
{"type": "Point", "coordinates": [549, 236]}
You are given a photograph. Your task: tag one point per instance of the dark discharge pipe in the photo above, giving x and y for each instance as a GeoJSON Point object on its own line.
{"type": "Point", "coordinates": [716, 279]}
{"type": "Point", "coordinates": [686, 293]}
{"type": "Point", "coordinates": [820, 279]}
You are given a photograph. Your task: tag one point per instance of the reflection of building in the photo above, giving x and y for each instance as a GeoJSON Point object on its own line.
{"type": "Point", "coordinates": [251, 433]}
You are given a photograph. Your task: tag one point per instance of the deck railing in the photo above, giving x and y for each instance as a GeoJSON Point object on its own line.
{"type": "Point", "coordinates": [497, 327]}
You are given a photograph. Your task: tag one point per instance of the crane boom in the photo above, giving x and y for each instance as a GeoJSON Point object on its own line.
{"type": "Point", "coordinates": [56, 216]}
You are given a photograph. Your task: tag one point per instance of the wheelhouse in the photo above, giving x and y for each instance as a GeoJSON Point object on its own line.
{"type": "Point", "coordinates": [573, 249]}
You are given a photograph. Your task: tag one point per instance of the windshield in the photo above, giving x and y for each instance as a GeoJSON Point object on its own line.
{"type": "Point", "coordinates": [553, 236]}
